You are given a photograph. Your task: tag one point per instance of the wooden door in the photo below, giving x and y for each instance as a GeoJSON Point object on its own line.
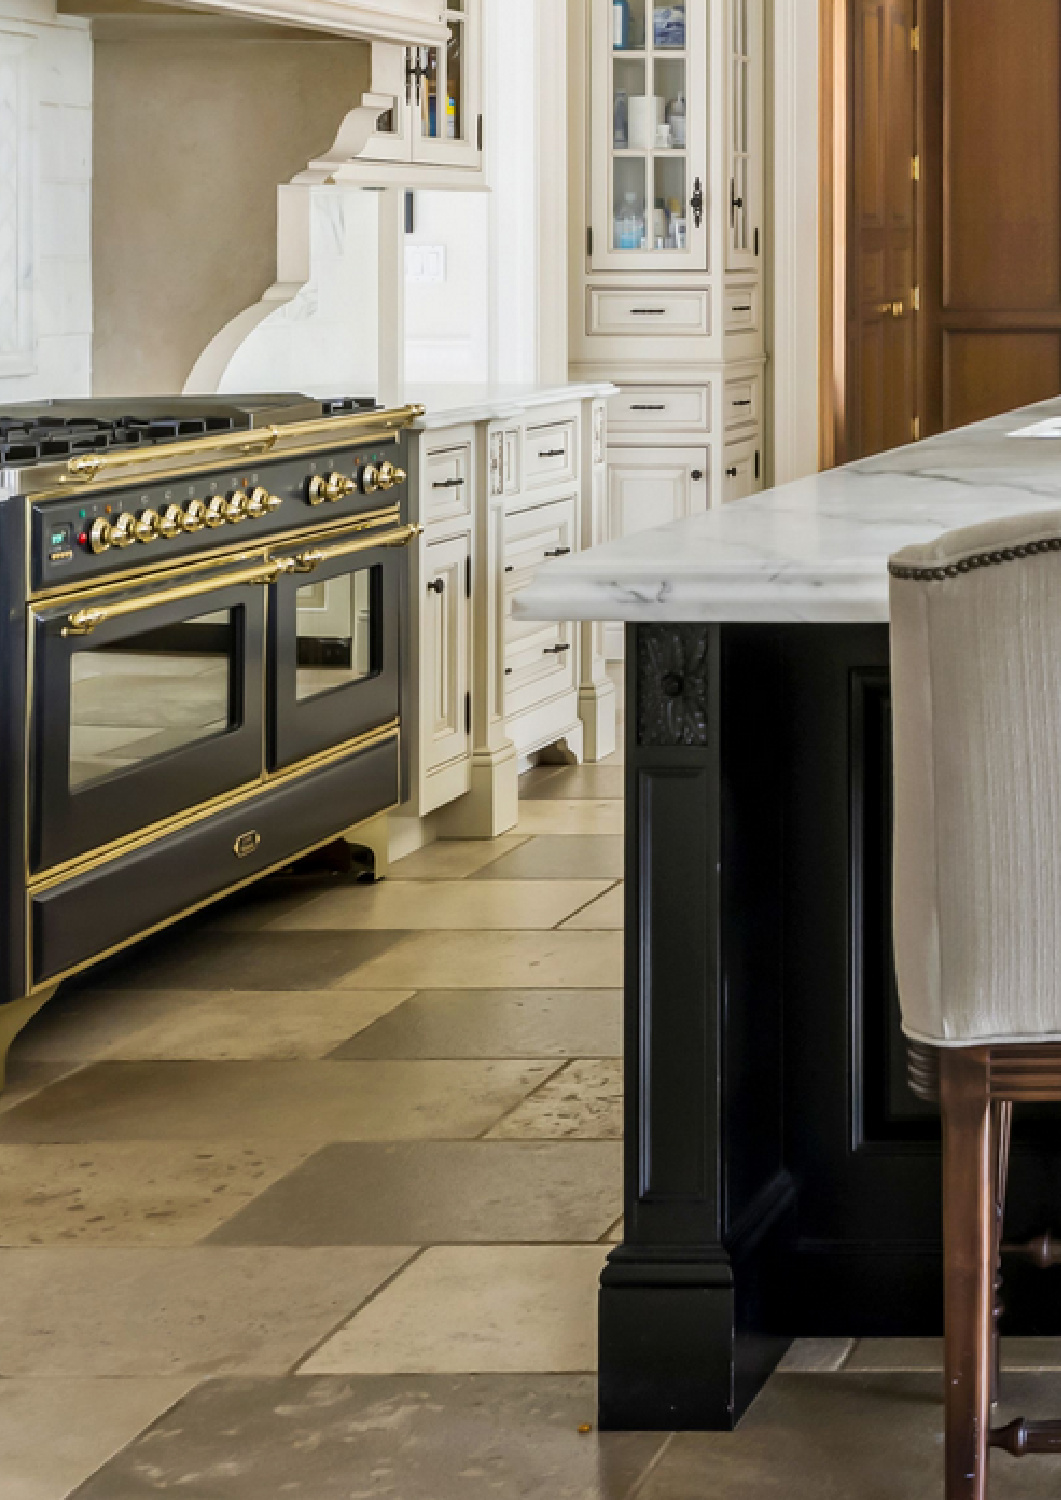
{"type": "Point", "coordinates": [881, 398]}
{"type": "Point", "coordinates": [992, 177]}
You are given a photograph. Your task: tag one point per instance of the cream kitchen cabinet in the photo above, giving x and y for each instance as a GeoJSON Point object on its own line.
{"type": "Point", "coordinates": [668, 245]}
{"type": "Point", "coordinates": [500, 487]}
{"type": "Point", "coordinates": [413, 22]}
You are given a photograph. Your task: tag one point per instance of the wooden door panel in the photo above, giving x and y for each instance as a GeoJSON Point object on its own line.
{"type": "Point", "coordinates": [870, 112]}
{"type": "Point", "coordinates": [1002, 169]}
{"type": "Point", "coordinates": [902, 118]}
{"type": "Point", "coordinates": [985, 373]}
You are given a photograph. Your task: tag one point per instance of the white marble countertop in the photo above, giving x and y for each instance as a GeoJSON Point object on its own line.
{"type": "Point", "coordinates": [815, 550]}
{"type": "Point", "coordinates": [451, 405]}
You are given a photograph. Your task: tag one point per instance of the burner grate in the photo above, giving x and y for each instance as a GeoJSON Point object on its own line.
{"type": "Point", "coordinates": [45, 438]}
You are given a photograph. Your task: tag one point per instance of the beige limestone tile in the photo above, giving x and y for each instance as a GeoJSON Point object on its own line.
{"type": "Point", "coordinates": [584, 1101]}
{"type": "Point", "coordinates": [476, 1309]}
{"type": "Point", "coordinates": [592, 856]}
{"type": "Point", "coordinates": [570, 816]}
{"type": "Point", "coordinates": [230, 1024]}
{"type": "Point", "coordinates": [56, 1433]}
{"type": "Point", "coordinates": [599, 782]}
{"type": "Point", "coordinates": [268, 1101]}
{"type": "Point", "coordinates": [441, 904]}
{"type": "Point", "coordinates": [877, 1356]}
{"type": "Point", "coordinates": [26, 1078]}
{"type": "Point", "coordinates": [133, 1192]}
{"type": "Point", "coordinates": [605, 914]}
{"type": "Point", "coordinates": [1031, 1354]}
{"type": "Point", "coordinates": [615, 1233]}
{"type": "Point", "coordinates": [210, 1310]}
{"type": "Point", "coordinates": [489, 960]}
{"type": "Point", "coordinates": [815, 1356]}
{"type": "Point", "coordinates": [81, 1023]}
{"type": "Point", "coordinates": [453, 859]}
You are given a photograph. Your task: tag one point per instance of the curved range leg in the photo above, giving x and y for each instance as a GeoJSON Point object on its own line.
{"type": "Point", "coordinates": [15, 1015]}
{"type": "Point", "coordinates": [373, 836]}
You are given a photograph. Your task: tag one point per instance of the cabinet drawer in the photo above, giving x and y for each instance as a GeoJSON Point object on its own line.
{"type": "Point", "coordinates": [539, 655]}
{"type": "Point", "coordinates": [741, 309]}
{"type": "Point", "coordinates": [448, 481]}
{"type": "Point", "coordinates": [649, 314]}
{"type": "Point", "coordinates": [549, 454]}
{"type": "Point", "coordinates": [661, 408]}
{"type": "Point", "coordinates": [742, 402]}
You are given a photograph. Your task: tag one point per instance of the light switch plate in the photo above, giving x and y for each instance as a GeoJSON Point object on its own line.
{"type": "Point", "coordinates": [425, 263]}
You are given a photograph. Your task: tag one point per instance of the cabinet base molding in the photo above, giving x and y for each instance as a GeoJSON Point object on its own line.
{"type": "Point", "coordinates": [491, 807]}
{"type": "Point", "coordinates": [596, 709]}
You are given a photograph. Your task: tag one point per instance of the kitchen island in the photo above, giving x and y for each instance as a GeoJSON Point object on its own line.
{"type": "Point", "coordinates": [781, 1179]}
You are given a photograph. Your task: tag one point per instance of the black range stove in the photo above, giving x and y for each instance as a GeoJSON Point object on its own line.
{"type": "Point", "coordinates": [202, 607]}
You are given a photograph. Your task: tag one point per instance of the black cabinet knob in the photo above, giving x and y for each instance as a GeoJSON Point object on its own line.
{"type": "Point", "coordinates": [698, 474]}
{"type": "Point", "coordinates": [437, 586]}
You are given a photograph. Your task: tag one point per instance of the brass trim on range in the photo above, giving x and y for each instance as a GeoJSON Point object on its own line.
{"type": "Point", "coordinates": [85, 621]}
{"type": "Point", "coordinates": [236, 551]}
{"type": "Point", "coordinates": [55, 980]}
{"type": "Point", "coordinates": [306, 562]}
{"type": "Point", "coordinates": [85, 468]}
{"type": "Point", "coordinates": [86, 864]}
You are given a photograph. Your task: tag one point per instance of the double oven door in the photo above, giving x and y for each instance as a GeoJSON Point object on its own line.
{"type": "Point", "coordinates": [155, 698]}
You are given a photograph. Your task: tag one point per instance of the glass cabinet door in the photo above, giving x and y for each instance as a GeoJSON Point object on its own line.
{"type": "Point", "coordinates": [445, 105]}
{"type": "Point", "coordinates": [649, 135]}
{"type": "Point", "coordinates": [745, 134]}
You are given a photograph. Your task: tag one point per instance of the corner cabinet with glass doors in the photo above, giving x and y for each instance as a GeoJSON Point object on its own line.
{"type": "Point", "coordinates": [437, 118]}
{"type": "Point", "coordinates": [667, 170]}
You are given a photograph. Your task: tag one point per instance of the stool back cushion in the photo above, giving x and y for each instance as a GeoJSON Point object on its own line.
{"type": "Point", "coordinates": [976, 702]}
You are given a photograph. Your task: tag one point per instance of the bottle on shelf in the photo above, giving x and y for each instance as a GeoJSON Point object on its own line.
{"type": "Point", "coordinates": [676, 120]}
{"type": "Point", "coordinates": [630, 224]}
{"type": "Point", "coordinates": [669, 26]}
{"type": "Point", "coordinates": [620, 24]}
{"type": "Point", "coordinates": [621, 122]}
{"type": "Point", "coordinates": [659, 225]}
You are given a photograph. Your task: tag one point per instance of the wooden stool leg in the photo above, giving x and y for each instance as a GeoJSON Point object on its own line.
{"type": "Point", "coordinates": [1002, 1132]}
{"type": "Point", "coordinates": [968, 1258]}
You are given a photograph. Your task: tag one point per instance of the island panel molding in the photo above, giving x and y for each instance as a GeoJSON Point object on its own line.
{"type": "Point", "coordinates": [672, 685]}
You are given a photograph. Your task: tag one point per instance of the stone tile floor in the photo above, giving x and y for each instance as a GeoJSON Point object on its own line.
{"type": "Point", "coordinates": [309, 1198]}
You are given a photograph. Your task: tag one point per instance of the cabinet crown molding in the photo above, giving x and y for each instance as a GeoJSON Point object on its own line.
{"type": "Point", "coordinates": [415, 23]}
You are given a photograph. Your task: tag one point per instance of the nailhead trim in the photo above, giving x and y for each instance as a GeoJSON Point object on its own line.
{"type": "Point", "coordinates": [978, 560]}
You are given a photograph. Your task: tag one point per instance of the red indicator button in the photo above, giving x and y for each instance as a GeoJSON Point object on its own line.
{"type": "Point", "coordinates": [83, 539]}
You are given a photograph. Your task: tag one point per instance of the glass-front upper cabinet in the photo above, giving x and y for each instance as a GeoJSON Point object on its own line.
{"type": "Point", "coordinates": [745, 108]}
{"type": "Point", "coordinates": [649, 188]}
{"type": "Point", "coordinates": [440, 119]}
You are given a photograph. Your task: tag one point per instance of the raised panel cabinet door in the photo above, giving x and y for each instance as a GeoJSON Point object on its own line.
{"type": "Point", "coordinates": [446, 677]}
{"type": "Point", "coordinates": [446, 99]}
{"type": "Point", "coordinates": [741, 471]}
{"type": "Point", "coordinates": [651, 486]}
{"type": "Point", "coordinates": [744, 123]}
{"type": "Point", "coordinates": [649, 187]}
{"type": "Point", "coordinates": [540, 656]}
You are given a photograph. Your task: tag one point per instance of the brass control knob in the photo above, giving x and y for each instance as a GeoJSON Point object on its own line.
{"type": "Point", "coordinates": [390, 475]}
{"type": "Point", "coordinates": [99, 538]}
{"type": "Point", "coordinates": [194, 518]}
{"type": "Point", "coordinates": [236, 509]}
{"type": "Point", "coordinates": [171, 522]}
{"type": "Point", "coordinates": [147, 526]}
{"type": "Point", "coordinates": [273, 502]}
{"type": "Point", "coordinates": [216, 511]}
{"type": "Point", "coordinates": [335, 487]}
{"type": "Point", "coordinates": [369, 479]}
{"type": "Point", "coordinates": [258, 504]}
{"type": "Point", "coordinates": [123, 530]}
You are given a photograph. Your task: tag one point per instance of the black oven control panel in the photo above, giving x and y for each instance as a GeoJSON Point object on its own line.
{"type": "Point", "coordinates": [116, 530]}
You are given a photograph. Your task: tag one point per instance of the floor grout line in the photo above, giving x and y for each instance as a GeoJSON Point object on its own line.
{"type": "Point", "coordinates": [566, 1063]}
{"type": "Point", "coordinates": [365, 1302]}
{"type": "Point", "coordinates": [585, 907]}
{"type": "Point", "coordinates": [653, 1464]}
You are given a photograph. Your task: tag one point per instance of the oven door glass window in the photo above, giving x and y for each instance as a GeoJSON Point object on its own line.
{"type": "Point", "coordinates": [151, 713]}
{"type": "Point", "coordinates": [336, 650]}
{"type": "Point", "coordinates": [149, 695]}
{"type": "Point", "coordinates": [335, 623]}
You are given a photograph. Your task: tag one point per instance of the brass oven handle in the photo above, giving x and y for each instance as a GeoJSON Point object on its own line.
{"type": "Point", "coordinates": [306, 562]}
{"type": "Point", "coordinates": [85, 621]}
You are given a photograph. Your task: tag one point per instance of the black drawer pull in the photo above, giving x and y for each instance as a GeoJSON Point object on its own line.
{"type": "Point", "coordinates": [744, 307]}
{"type": "Point", "coordinates": [557, 650]}
{"type": "Point", "coordinates": [741, 403]}
{"type": "Point", "coordinates": [645, 406]}
{"type": "Point", "coordinates": [648, 312]}
{"type": "Point", "coordinates": [558, 552]}
{"type": "Point", "coordinates": [447, 484]}
{"type": "Point", "coordinates": [510, 568]}
{"type": "Point", "coordinates": [437, 586]}
{"type": "Point", "coordinates": [509, 671]}
{"type": "Point", "coordinates": [731, 473]}
{"type": "Point", "coordinates": [553, 453]}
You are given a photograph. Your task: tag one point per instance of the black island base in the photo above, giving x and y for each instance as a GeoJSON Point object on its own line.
{"type": "Point", "coordinates": [781, 1179]}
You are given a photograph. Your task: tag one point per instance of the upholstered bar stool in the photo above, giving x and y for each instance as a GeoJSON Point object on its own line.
{"type": "Point", "coordinates": [976, 694]}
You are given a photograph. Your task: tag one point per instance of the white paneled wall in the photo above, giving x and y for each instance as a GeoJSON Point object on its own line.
{"type": "Point", "coordinates": [45, 203]}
